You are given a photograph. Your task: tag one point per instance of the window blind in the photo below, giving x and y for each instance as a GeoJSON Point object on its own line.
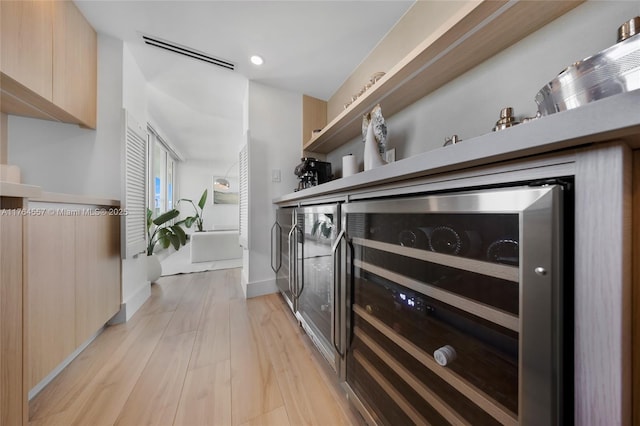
{"type": "Point", "coordinates": [135, 170]}
{"type": "Point", "coordinates": [244, 196]}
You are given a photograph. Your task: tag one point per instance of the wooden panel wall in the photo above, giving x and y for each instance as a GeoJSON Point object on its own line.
{"type": "Point", "coordinates": [314, 116]}
{"type": "Point", "coordinates": [636, 290]}
{"type": "Point", "coordinates": [13, 399]}
{"type": "Point", "coordinates": [603, 286]}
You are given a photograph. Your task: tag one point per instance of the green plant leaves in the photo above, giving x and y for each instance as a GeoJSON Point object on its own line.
{"type": "Point", "coordinates": [203, 199]}
{"type": "Point", "coordinates": [179, 232]}
{"type": "Point", "coordinates": [197, 217]}
{"type": "Point", "coordinates": [166, 217]}
{"type": "Point", "coordinates": [166, 235]}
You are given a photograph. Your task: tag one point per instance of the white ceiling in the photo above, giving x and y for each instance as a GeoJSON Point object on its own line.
{"type": "Point", "coordinates": [309, 47]}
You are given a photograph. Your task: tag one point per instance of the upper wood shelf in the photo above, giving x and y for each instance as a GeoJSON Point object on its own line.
{"type": "Point", "coordinates": [476, 33]}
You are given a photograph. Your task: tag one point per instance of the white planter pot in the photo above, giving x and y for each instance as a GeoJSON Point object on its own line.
{"type": "Point", "coordinates": [154, 269]}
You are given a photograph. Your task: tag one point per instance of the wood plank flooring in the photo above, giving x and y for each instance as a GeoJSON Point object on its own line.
{"type": "Point", "coordinates": [197, 353]}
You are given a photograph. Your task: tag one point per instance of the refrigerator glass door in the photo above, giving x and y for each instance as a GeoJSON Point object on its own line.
{"type": "Point", "coordinates": [317, 229]}
{"type": "Point", "coordinates": [284, 243]}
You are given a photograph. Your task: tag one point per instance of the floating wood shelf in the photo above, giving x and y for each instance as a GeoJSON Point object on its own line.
{"type": "Point", "coordinates": [476, 33]}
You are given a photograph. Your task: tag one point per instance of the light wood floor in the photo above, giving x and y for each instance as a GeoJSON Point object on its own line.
{"type": "Point", "coordinates": [197, 353]}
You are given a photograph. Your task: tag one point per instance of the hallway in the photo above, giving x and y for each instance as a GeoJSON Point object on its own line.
{"type": "Point", "coordinates": [197, 353]}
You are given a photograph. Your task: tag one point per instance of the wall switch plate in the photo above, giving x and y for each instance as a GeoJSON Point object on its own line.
{"type": "Point", "coordinates": [275, 175]}
{"type": "Point", "coordinates": [390, 155]}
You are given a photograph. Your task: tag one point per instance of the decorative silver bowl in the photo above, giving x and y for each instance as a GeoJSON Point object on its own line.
{"type": "Point", "coordinates": [610, 72]}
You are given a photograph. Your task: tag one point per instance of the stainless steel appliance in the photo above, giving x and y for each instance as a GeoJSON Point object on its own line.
{"type": "Point", "coordinates": [312, 172]}
{"type": "Point", "coordinates": [281, 249]}
{"type": "Point", "coordinates": [458, 308]}
{"type": "Point", "coordinates": [315, 285]}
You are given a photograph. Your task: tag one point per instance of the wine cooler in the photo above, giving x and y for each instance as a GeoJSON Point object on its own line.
{"type": "Point", "coordinates": [316, 238]}
{"type": "Point", "coordinates": [458, 306]}
{"type": "Point", "coordinates": [281, 249]}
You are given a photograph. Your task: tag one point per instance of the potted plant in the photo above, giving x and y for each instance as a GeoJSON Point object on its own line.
{"type": "Point", "coordinates": [197, 217]}
{"type": "Point", "coordinates": [160, 232]}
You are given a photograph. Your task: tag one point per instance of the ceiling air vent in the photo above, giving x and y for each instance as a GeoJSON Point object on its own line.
{"type": "Point", "coordinates": [187, 51]}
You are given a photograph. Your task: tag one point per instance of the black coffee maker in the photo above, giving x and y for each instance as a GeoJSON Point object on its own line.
{"type": "Point", "coordinates": [312, 172]}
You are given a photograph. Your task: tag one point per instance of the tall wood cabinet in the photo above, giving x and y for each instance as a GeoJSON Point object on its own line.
{"type": "Point", "coordinates": [48, 66]}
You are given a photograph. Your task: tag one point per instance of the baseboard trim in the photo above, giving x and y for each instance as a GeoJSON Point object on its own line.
{"type": "Point", "coordinates": [134, 303]}
{"type": "Point", "coordinates": [260, 288]}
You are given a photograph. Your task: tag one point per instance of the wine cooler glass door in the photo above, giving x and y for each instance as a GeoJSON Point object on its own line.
{"type": "Point", "coordinates": [284, 244]}
{"type": "Point", "coordinates": [317, 232]}
{"type": "Point", "coordinates": [456, 307]}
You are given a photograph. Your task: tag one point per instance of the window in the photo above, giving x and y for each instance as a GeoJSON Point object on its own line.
{"type": "Point", "coordinates": [161, 175]}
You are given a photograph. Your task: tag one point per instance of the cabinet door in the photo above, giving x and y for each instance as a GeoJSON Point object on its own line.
{"type": "Point", "coordinates": [97, 273]}
{"type": "Point", "coordinates": [12, 398]}
{"type": "Point", "coordinates": [50, 293]}
{"type": "Point", "coordinates": [27, 27]}
{"type": "Point", "coordinates": [74, 63]}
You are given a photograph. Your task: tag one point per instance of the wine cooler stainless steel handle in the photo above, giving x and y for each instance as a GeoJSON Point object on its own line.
{"type": "Point", "coordinates": [350, 286]}
{"type": "Point", "coordinates": [292, 262]}
{"type": "Point", "coordinates": [337, 300]}
{"type": "Point", "coordinates": [278, 247]}
{"type": "Point", "coordinates": [301, 282]}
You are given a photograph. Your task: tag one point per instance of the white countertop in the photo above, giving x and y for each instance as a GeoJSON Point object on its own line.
{"type": "Point", "coordinates": [612, 118]}
{"type": "Point", "coordinates": [55, 197]}
{"type": "Point", "coordinates": [19, 190]}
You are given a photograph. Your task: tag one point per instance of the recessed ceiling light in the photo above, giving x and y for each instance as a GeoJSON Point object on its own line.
{"type": "Point", "coordinates": [257, 60]}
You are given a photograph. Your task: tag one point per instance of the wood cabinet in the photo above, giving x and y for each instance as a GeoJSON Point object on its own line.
{"type": "Point", "coordinates": [27, 51]}
{"type": "Point", "coordinates": [49, 62]}
{"type": "Point", "coordinates": [74, 63]}
{"type": "Point", "coordinates": [50, 293]}
{"type": "Point", "coordinates": [479, 31]}
{"type": "Point", "coordinates": [97, 271]}
{"type": "Point", "coordinates": [73, 285]}
{"type": "Point", "coordinates": [13, 400]}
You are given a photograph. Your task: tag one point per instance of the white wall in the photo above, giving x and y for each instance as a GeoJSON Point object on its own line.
{"type": "Point", "coordinates": [194, 176]}
{"type": "Point", "coordinates": [469, 106]}
{"type": "Point", "coordinates": [135, 286]}
{"type": "Point", "coordinates": [275, 126]}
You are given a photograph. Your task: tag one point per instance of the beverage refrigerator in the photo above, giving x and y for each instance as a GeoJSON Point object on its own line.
{"type": "Point", "coordinates": [281, 249]}
{"type": "Point", "coordinates": [308, 273]}
{"type": "Point", "coordinates": [316, 252]}
{"type": "Point", "coordinates": [460, 307]}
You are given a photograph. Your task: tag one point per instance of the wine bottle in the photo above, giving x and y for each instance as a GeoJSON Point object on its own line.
{"type": "Point", "coordinates": [450, 240]}
{"type": "Point", "coordinates": [506, 251]}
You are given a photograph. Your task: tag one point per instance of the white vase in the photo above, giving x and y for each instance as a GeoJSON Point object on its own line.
{"type": "Point", "coordinates": [154, 269]}
{"type": "Point", "coordinates": [372, 157]}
